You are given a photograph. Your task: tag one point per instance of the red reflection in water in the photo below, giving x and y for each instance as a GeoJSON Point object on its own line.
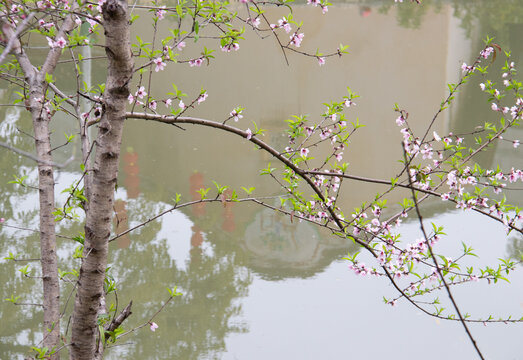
{"type": "Point", "coordinates": [228, 224]}
{"type": "Point", "coordinates": [196, 183]}
{"type": "Point", "coordinates": [365, 11]}
{"type": "Point", "coordinates": [196, 241]}
{"type": "Point", "coordinates": [121, 224]}
{"type": "Point", "coordinates": [131, 171]}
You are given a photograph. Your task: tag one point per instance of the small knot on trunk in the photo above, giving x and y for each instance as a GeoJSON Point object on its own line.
{"type": "Point", "coordinates": [112, 8]}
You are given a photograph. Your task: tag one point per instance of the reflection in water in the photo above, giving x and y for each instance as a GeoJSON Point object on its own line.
{"type": "Point", "coordinates": [196, 183]}
{"type": "Point", "coordinates": [214, 253]}
{"type": "Point", "coordinates": [121, 223]}
{"type": "Point", "coordinates": [229, 224]}
{"type": "Point", "coordinates": [131, 172]}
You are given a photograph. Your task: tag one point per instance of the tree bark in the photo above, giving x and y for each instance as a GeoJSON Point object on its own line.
{"type": "Point", "coordinates": [105, 170]}
{"type": "Point", "coordinates": [41, 119]}
{"type": "Point", "coordinates": [49, 263]}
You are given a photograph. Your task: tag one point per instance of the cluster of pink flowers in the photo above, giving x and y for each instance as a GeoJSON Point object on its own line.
{"type": "Point", "coordinates": [232, 46]}
{"type": "Point", "coordinates": [362, 270]}
{"type": "Point", "coordinates": [160, 12]}
{"type": "Point", "coordinates": [324, 8]}
{"type": "Point", "coordinates": [485, 53]}
{"type": "Point", "coordinates": [59, 43]}
{"type": "Point", "coordinates": [296, 39]}
{"type": "Point", "coordinates": [139, 94]}
{"type": "Point", "coordinates": [284, 23]}
{"type": "Point", "coordinates": [467, 68]}
{"type": "Point", "coordinates": [46, 25]}
{"type": "Point", "coordinates": [196, 62]}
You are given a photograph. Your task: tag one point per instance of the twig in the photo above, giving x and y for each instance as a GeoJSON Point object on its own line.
{"type": "Point", "coordinates": [435, 260]}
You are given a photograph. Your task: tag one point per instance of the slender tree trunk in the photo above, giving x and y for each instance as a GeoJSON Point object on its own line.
{"type": "Point", "coordinates": [41, 118]}
{"type": "Point", "coordinates": [105, 170]}
{"type": "Point", "coordinates": [51, 284]}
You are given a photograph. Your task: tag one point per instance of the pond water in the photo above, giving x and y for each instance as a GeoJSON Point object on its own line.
{"type": "Point", "coordinates": [254, 284]}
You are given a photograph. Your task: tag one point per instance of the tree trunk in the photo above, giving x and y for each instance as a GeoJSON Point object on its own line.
{"type": "Point", "coordinates": [41, 118]}
{"type": "Point", "coordinates": [51, 285]}
{"type": "Point", "coordinates": [105, 171]}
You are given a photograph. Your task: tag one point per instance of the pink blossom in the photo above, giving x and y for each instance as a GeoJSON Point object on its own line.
{"type": "Point", "coordinates": [2, 220]}
{"type": "Point", "coordinates": [482, 86]}
{"type": "Point", "coordinates": [284, 24]}
{"type": "Point", "coordinates": [467, 68]}
{"type": "Point", "coordinates": [436, 136]}
{"type": "Point", "coordinates": [309, 130]}
{"type": "Point", "coordinates": [296, 39]}
{"type": "Point", "coordinates": [249, 134]}
{"type": "Point", "coordinates": [254, 22]}
{"type": "Point", "coordinates": [324, 9]}
{"type": "Point", "coordinates": [304, 152]}
{"type": "Point", "coordinates": [330, 201]}
{"type": "Point", "coordinates": [130, 98]}
{"type": "Point", "coordinates": [152, 105]}
{"type": "Point", "coordinates": [181, 105]}
{"type": "Point", "coordinates": [196, 62]}
{"type": "Point", "coordinates": [50, 42]}
{"type": "Point", "coordinates": [321, 61]}
{"type": "Point", "coordinates": [160, 65]}
{"type": "Point", "coordinates": [202, 97]}
{"type": "Point", "coordinates": [141, 92]}
{"type": "Point", "coordinates": [349, 103]}
{"type": "Point", "coordinates": [400, 121]}
{"type": "Point", "coordinates": [236, 114]}
{"type": "Point", "coordinates": [494, 107]}
{"type": "Point", "coordinates": [486, 52]}
{"type": "Point", "coordinates": [160, 13]}
{"type": "Point", "coordinates": [515, 143]}
{"type": "Point", "coordinates": [180, 45]}
{"type": "Point", "coordinates": [61, 42]}
{"type": "Point", "coordinates": [168, 102]}
{"type": "Point", "coordinates": [232, 46]}
{"type": "Point", "coordinates": [153, 326]}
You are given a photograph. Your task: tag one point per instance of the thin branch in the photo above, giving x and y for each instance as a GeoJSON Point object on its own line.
{"type": "Point", "coordinates": [34, 157]}
{"type": "Point", "coordinates": [438, 269]}
{"type": "Point", "coordinates": [14, 37]}
{"type": "Point", "coordinates": [29, 304]}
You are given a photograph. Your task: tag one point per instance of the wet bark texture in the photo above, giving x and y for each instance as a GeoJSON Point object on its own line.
{"type": "Point", "coordinates": [90, 293]}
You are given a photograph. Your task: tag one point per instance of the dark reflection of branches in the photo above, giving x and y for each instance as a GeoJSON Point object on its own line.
{"type": "Point", "coordinates": [19, 207]}
{"type": "Point", "coordinates": [22, 243]}
{"type": "Point", "coordinates": [410, 15]}
{"type": "Point", "coordinates": [494, 16]}
{"type": "Point", "coordinates": [197, 323]}
{"type": "Point", "coordinates": [515, 247]}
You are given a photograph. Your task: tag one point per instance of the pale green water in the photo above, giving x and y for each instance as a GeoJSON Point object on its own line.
{"type": "Point", "coordinates": [255, 285]}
